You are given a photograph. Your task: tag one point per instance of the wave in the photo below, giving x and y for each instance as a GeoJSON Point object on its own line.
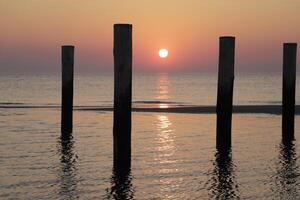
{"type": "Point", "coordinates": [157, 102]}
{"type": "Point", "coordinates": [266, 102]}
{"type": "Point", "coordinates": [11, 103]}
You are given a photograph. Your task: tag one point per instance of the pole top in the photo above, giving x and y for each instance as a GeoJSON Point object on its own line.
{"type": "Point", "coordinates": [123, 25]}
{"type": "Point", "coordinates": [67, 46]}
{"type": "Point", "coordinates": [290, 44]}
{"type": "Point", "coordinates": [227, 37]}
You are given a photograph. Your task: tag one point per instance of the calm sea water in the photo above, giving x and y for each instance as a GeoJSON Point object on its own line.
{"type": "Point", "coordinates": [97, 90]}
{"type": "Point", "coordinates": [174, 155]}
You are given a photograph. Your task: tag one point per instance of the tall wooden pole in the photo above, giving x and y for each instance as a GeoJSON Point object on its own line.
{"type": "Point", "coordinates": [67, 91]}
{"type": "Point", "coordinates": [288, 90]}
{"type": "Point", "coordinates": [122, 95]}
{"type": "Point", "coordinates": [225, 91]}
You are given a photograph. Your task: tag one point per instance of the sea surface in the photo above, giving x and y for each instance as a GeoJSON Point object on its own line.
{"type": "Point", "coordinates": [173, 155]}
{"type": "Point", "coordinates": [148, 88]}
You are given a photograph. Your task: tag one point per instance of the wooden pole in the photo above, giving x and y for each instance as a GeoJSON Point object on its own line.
{"type": "Point", "coordinates": [288, 90]}
{"type": "Point", "coordinates": [225, 91]}
{"type": "Point", "coordinates": [67, 90]}
{"type": "Point", "coordinates": [122, 95]}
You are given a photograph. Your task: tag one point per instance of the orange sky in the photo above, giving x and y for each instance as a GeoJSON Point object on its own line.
{"type": "Point", "coordinates": [32, 32]}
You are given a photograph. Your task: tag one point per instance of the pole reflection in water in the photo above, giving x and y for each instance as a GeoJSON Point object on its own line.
{"type": "Point", "coordinates": [223, 183]}
{"type": "Point", "coordinates": [68, 179]}
{"type": "Point", "coordinates": [287, 175]}
{"type": "Point", "coordinates": [121, 184]}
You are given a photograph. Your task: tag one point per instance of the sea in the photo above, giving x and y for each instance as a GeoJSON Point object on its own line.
{"type": "Point", "coordinates": [174, 155]}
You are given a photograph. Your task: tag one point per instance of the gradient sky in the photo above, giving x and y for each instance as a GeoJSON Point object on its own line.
{"type": "Point", "coordinates": [32, 32]}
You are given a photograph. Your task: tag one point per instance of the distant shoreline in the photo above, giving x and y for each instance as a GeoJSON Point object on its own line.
{"type": "Point", "coordinates": [238, 109]}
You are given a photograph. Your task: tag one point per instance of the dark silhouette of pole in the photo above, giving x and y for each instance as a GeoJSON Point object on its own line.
{"type": "Point", "coordinates": [122, 95]}
{"type": "Point", "coordinates": [67, 91]}
{"type": "Point", "coordinates": [288, 90]}
{"type": "Point", "coordinates": [225, 91]}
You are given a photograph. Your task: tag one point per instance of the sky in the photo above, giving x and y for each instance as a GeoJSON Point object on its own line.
{"type": "Point", "coordinates": [32, 32]}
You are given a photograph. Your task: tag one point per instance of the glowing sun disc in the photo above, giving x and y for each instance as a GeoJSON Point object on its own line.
{"type": "Point", "coordinates": [163, 53]}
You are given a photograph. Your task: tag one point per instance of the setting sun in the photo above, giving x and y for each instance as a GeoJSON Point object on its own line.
{"type": "Point", "coordinates": [163, 53]}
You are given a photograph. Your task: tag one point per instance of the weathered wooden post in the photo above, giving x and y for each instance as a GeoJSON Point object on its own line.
{"type": "Point", "coordinates": [67, 91]}
{"type": "Point", "coordinates": [288, 90]}
{"type": "Point", "coordinates": [122, 95]}
{"type": "Point", "coordinates": [225, 91]}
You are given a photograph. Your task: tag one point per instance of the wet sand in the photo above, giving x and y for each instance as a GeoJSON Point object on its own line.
{"type": "Point", "coordinates": [265, 109]}
{"type": "Point", "coordinates": [241, 109]}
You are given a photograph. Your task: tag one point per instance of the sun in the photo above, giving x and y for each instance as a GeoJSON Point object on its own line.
{"type": "Point", "coordinates": [163, 53]}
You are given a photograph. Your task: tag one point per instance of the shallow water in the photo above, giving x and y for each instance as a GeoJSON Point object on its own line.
{"type": "Point", "coordinates": [173, 157]}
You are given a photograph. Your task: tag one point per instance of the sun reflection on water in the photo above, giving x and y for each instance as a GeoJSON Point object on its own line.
{"type": "Point", "coordinates": [165, 156]}
{"type": "Point", "coordinates": [163, 91]}
{"type": "Point", "coordinates": [165, 139]}
{"type": "Point", "coordinates": [163, 84]}
{"type": "Point", "coordinates": [163, 105]}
